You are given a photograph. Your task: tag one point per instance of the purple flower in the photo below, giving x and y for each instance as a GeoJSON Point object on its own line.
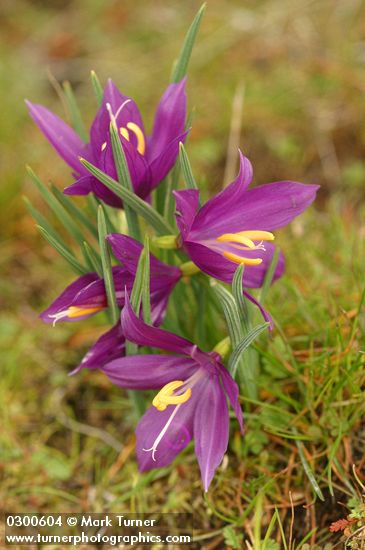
{"type": "Point", "coordinates": [87, 296]}
{"type": "Point", "coordinates": [235, 227]}
{"type": "Point", "coordinates": [191, 402]}
{"type": "Point", "coordinates": [149, 158]}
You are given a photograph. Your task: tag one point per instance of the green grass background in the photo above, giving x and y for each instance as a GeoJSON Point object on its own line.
{"type": "Point", "coordinates": [67, 443]}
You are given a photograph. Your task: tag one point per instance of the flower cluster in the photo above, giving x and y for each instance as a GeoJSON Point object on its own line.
{"type": "Point", "coordinates": [192, 387]}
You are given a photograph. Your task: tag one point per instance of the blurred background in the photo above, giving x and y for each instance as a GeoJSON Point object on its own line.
{"type": "Point", "coordinates": [284, 80]}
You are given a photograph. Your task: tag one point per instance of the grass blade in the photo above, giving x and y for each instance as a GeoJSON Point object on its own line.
{"type": "Point", "coordinates": [308, 471]}
{"type": "Point", "coordinates": [269, 276]}
{"type": "Point", "coordinates": [181, 64]}
{"type": "Point", "coordinates": [107, 267]}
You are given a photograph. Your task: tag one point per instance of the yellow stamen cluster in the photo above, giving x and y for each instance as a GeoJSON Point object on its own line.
{"type": "Point", "coordinates": [74, 311]}
{"type": "Point", "coordinates": [244, 240]}
{"type": "Point", "coordinates": [167, 397]}
{"type": "Point", "coordinates": [141, 143]}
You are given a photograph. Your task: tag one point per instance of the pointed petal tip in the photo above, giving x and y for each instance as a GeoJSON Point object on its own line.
{"type": "Point", "coordinates": [75, 371]}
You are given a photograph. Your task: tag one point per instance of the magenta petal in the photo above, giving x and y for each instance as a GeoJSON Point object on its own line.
{"type": "Point", "coordinates": [138, 167]}
{"type": "Point", "coordinates": [216, 265]}
{"type": "Point", "coordinates": [266, 207]}
{"type": "Point", "coordinates": [232, 392]}
{"type": "Point", "coordinates": [145, 335]}
{"type": "Point", "coordinates": [148, 372]}
{"type": "Point", "coordinates": [215, 215]}
{"type": "Point", "coordinates": [210, 262]}
{"type": "Point", "coordinates": [169, 120]}
{"type": "Point", "coordinates": [83, 186]}
{"type": "Point", "coordinates": [273, 205]}
{"type": "Point", "coordinates": [128, 251]}
{"type": "Point", "coordinates": [103, 193]}
{"type": "Point", "coordinates": [266, 315]}
{"type": "Point", "coordinates": [129, 113]}
{"type": "Point", "coordinates": [211, 429]}
{"type": "Point", "coordinates": [110, 346]}
{"type": "Point", "coordinates": [187, 204]}
{"type": "Point", "coordinates": [63, 138]}
{"type": "Point", "coordinates": [89, 184]}
{"type": "Point", "coordinates": [162, 164]}
{"type": "Point", "coordinates": [175, 439]}
{"type": "Point", "coordinates": [70, 296]}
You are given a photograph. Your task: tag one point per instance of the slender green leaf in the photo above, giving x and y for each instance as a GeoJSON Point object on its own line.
{"type": "Point", "coordinates": [92, 204]}
{"type": "Point", "coordinates": [237, 290]}
{"type": "Point", "coordinates": [107, 267]}
{"type": "Point", "coordinates": [75, 211]}
{"type": "Point", "coordinates": [243, 345]}
{"type": "Point", "coordinates": [138, 205]}
{"type": "Point", "coordinates": [41, 220]}
{"type": "Point", "coordinates": [181, 65]}
{"type": "Point", "coordinates": [138, 295]}
{"type": "Point", "coordinates": [125, 180]}
{"type": "Point", "coordinates": [74, 112]}
{"type": "Point", "coordinates": [248, 363]}
{"type": "Point", "coordinates": [57, 208]}
{"type": "Point", "coordinates": [79, 268]}
{"type": "Point", "coordinates": [137, 290]}
{"type": "Point", "coordinates": [146, 295]}
{"type": "Point", "coordinates": [93, 259]}
{"type": "Point", "coordinates": [98, 90]}
{"type": "Point", "coordinates": [231, 313]}
{"type": "Point", "coordinates": [186, 168]}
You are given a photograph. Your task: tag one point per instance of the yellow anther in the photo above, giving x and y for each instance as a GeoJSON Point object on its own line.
{"type": "Point", "coordinates": [74, 311]}
{"type": "Point", "coordinates": [103, 147]}
{"type": "Point", "coordinates": [236, 238]}
{"type": "Point", "coordinates": [124, 132]}
{"type": "Point", "coordinates": [141, 144]}
{"type": "Point", "coordinates": [166, 396]}
{"type": "Point", "coordinates": [240, 260]}
{"type": "Point", "coordinates": [257, 235]}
